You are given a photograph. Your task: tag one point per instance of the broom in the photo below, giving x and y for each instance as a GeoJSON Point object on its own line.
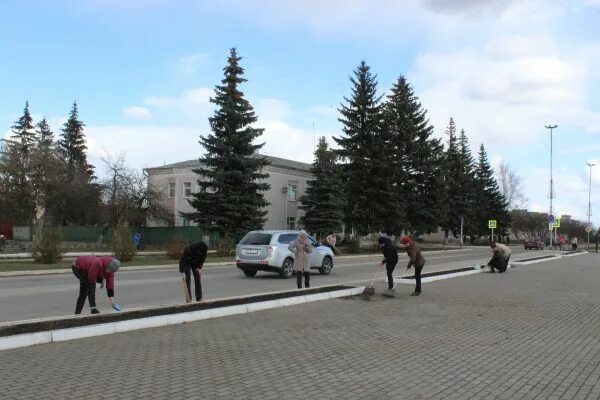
{"type": "Point", "coordinates": [370, 290]}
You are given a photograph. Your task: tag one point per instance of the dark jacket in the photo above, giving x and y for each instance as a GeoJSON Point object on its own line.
{"type": "Point", "coordinates": [390, 253]}
{"type": "Point", "coordinates": [93, 269]}
{"type": "Point", "coordinates": [193, 256]}
{"type": "Point", "coordinates": [415, 257]}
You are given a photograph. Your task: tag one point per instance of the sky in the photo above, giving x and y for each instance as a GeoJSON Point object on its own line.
{"type": "Point", "coordinates": [143, 71]}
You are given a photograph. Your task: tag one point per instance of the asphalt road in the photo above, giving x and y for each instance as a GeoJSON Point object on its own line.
{"type": "Point", "coordinates": [40, 296]}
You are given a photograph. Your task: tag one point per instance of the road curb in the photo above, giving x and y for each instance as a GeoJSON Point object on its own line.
{"type": "Point", "coordinates": [174, 265]}
{"type": "Point", "coordinates": [61, 335]}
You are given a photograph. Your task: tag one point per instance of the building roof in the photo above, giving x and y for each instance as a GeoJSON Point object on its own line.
{"type": "Point", "coordinates": [274, 161]}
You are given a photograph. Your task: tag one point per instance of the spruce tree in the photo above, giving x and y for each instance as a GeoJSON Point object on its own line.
{"type": "Point", "coordinates": [367, 157]}
{"type": "Point", "coordinates": [322, 203]}
{"type": "Point", "coordinates": [23, 133]}
{"type": "Point", "coordinates": [465, 183]}
{"type": "Point", "coordinates": [231, 177]}
{"type": "Point", "coordinates": [45, 136]}
{"type": "Point", "coordinates": [72, 145]}
{"type": "Point", "coordinates": [491, 202]}
{"type": "Point", "coordinates": [452, 166]}
{"type": "Point", "coordinates": [416, 157]}
{"type": "Point", "coordinates": [16, 166]}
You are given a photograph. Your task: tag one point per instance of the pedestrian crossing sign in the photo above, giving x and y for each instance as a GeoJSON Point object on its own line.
{"type": "Point", "coordinates": [492, 224]}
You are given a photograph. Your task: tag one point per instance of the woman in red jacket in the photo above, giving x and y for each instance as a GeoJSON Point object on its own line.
{"type": "Point", "coordinates": [92, 269]}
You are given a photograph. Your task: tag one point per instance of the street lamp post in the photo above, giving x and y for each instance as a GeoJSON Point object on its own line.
{"type": "Point", "coordinates": [551, 190]}
{"type": "Point", "coordinates": [589, 164]}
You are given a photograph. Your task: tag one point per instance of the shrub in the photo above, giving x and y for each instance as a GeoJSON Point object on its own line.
{"type": "Point", "coordinates": [122, 244]}
{"type": "Point", "coordinates": [46, 248]}
{"type": "Point", "coordinates": [353, 245]}
{"type": "Point", "coordinates": [225, 247]}
{"type": "Point", "coordinates": [175, 247]}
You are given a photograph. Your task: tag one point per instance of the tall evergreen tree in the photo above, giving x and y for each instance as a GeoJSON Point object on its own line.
{"type": "Point", "coordinates": [419, 187]}
{"type": "Point", "coordinates": [366, 156]}
{"type": "Point", "coordinates": [465, 179]}
{"type": "Point", "coordinates": [452, 165]}
{"type": "Point", "coordinates": [322, 203]}
{"type": "Point", "coordinates": [231, 177]}
{"type": "Point", "coordinates": [15, 168]}
{"type": "Point", "coordinates": [23, 132]}
{"type": "Point", "coordinates": [45, 136]}
{"type": "Point", "coordinates": [491, 204]}
{"type": "Point", "coordinates": [72, 145]}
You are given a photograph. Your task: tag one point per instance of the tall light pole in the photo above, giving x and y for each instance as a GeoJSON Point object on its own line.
{"type": "Point", "coordinates": [589, 164]}
{"type": "Point", "coordinates": [551, 190]}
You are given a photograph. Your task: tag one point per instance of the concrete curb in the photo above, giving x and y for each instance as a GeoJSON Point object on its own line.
{"type": "Point", "coordinates": [174, 265]}
{"type": "Point", "coordinates": [61, 335]}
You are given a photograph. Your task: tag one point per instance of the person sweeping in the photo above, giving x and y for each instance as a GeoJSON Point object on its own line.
{"type": "Point", "coordinates": [390, 259]}
{"type": "Point", "coordinates": [416, 259]}
{"type": "Point", "coordinates": [90, 270]}
{"type": "Point", "coordinates": [191, 262]}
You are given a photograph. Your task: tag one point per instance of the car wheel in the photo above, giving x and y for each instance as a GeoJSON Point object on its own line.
{"type": "Point", "coordinates": [326, 266]}
{"type": "Point", "coordinates": [250, 272]}
{"type": "Point", "coordinates": [287, 268]}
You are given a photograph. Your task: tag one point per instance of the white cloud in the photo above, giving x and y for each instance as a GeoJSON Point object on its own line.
{"type": "Point", "coordinates": [143, 145]}
{"type": "Point", "coordinates": [272, 109]}
{"type": "Point", "coordinates": [137, 112]}
{"type": "Point", "coordinates": [283, 140]}
{"type": "Point", "coordinates": [189, 65]}
{"type": "Point", "coordinates": [197, 99]}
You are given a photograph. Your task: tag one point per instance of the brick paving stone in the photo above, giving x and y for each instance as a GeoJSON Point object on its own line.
{"type": "Point", "coordinates": [531, 333]}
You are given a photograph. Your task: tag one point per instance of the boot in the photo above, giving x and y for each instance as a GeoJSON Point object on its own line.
{"type": "Point", "coordinates": [389, 293]}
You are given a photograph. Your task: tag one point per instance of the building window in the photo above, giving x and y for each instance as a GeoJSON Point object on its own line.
{"type": "Point", "coordinates": [187, 222]}
{"type": "Point", "coordinates": [187, 189]}
{"type": "Point", "coordinates": [292, 192]}
{"type": "Point", "coordinates": [291, 223]}
{"type": "Point", "coordinates": [171, 190]}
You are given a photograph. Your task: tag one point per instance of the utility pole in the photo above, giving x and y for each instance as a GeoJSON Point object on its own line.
{"type": "Point", "coordinates": [589, 164]}
{"type": "Point", "coordinates": [551, 190]}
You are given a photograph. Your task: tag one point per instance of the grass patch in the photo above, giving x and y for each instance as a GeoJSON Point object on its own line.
{"type": "Point", "coordinates": [28, 265]}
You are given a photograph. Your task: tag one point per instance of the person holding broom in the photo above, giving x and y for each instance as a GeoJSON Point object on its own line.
{"type": "Point", "coordinates": [191, 262]}
{"type": "Point", "coordinates": [92, 269]}
{"type": "Point", "coordinates": [416, 259]}
{"type": "Point", "coordinates": [390, 259]}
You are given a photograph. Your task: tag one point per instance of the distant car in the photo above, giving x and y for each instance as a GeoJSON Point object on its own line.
{"type": "Point", "coordinates": [533, 243]}
{"type": "Point", "coordinates": [268, 251]}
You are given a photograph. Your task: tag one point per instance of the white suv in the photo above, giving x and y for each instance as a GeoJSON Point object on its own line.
{"type": "Point", "coordinates": [268, 251]}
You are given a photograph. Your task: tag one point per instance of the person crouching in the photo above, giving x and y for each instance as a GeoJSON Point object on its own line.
{"type": "Point", "coordinates": [500, 258]}
{"type": "Point", "coordinates": [92, 269]}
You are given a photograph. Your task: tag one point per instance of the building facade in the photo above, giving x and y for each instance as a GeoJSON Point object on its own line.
{"type": "Point", "coordinates": [287, 180]}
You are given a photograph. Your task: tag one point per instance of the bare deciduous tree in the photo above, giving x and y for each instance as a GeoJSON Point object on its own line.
{"type": "Point", "coordinates": [511, 186]}
{"type": "Point", "coordinates": [128, 196]}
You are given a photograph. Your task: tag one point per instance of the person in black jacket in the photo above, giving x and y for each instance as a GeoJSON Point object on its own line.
{"type": "Point", "coordinates": [390, 259]}
{"type": "Point", "coordinates": [192, 260]}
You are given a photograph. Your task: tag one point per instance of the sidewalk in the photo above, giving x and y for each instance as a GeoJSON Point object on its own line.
{"type": "Point", "coordinates": [531, 333]}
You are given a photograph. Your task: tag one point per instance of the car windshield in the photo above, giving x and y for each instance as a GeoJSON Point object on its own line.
{"type": "Point", "coordinates": [256, 238]}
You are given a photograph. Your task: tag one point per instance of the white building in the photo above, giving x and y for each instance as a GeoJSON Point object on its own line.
{"type": "Point", "coordinates": [287, 179]}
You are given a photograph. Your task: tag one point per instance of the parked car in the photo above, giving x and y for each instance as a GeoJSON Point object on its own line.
{"type": "Point", "coordinates": [268, 251]}
{"type": "Point", "coordinates": [533, 243]}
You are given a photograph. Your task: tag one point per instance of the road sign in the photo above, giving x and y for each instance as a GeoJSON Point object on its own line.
{"type": "Point", "coordinates": [492, 224]}
{"type": "Point", "coordinates": [550, 218]}
{"type": "Point", "coordinates": [556, 223]}
{"type": "Point", "coordinates": [588, 229]}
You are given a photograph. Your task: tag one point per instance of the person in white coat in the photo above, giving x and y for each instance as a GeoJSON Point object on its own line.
{"type": "Point", "coordinates": [301, 248]}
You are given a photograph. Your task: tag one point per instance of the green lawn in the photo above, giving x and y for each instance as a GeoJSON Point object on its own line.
{"type": "Point", "coordinates": [15, 265]}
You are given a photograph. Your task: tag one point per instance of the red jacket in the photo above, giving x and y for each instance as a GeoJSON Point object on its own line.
{"type": "Point", "coordinates": [95, 270]}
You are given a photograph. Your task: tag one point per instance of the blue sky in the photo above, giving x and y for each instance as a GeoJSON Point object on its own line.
{"type": "Point", "coordinates": [142, 73]}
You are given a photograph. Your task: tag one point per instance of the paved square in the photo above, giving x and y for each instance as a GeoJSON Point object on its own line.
{"type": "Point", "coordinates": [531, 333]}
